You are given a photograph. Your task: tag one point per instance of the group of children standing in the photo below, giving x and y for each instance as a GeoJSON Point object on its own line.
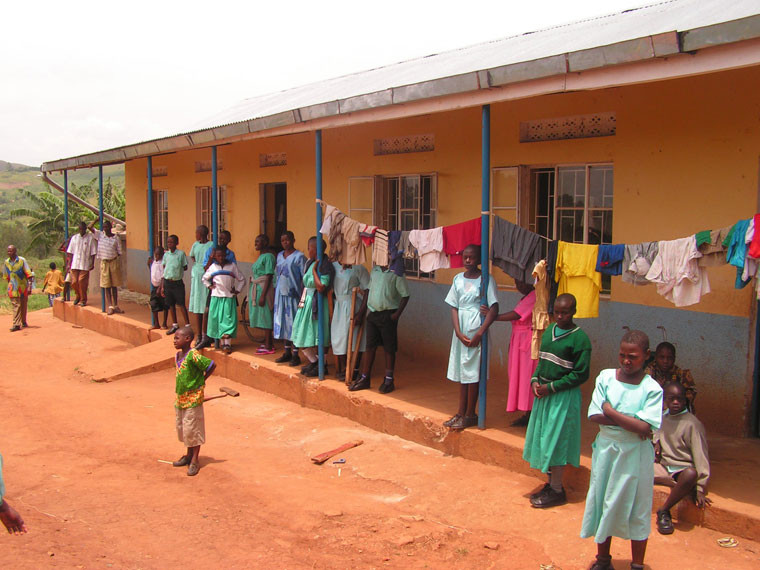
{"type": "Point", "coordinates": [627, 403]}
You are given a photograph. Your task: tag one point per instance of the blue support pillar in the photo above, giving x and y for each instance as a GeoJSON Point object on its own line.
{"type": "Point", "coordinates": [214, 199]}
{"type": "Point", "coordinates": [485, 208]}
{"type": "Point", "coordinates": [320, 299]}
{"type": "Point", "coordinates": [151, 245]}
{"type": "Point", "coordinates": [66, 203]}
{"type": "Point", "coordinates": [100, 219]}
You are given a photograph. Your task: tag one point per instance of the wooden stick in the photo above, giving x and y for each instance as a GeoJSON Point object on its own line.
{"type": "Point", "coordinates": [350, 344]}
{"type": "Point", "coordinates": [322, 457]}
{"type": "Point", "coordinates": [358, 342]}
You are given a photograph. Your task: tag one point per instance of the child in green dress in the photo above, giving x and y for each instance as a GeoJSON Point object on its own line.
{"type": "Point", "coordinates": [316, 280]}
{"type": "Point", "coordinates": [261, 294]}
{"type": "Point", "coordinates": [553, 438]}
{"type": "Point", "coordinates": [198, 291]}
{"type": "Point", "coordinates": [627, 405]}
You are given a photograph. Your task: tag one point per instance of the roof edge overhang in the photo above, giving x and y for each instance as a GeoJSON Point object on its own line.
{"type": "Point", "coordinates": [669, 55]}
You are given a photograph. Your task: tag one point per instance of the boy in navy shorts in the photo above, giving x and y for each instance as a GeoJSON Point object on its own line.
{"type": "Point", "coordinates": [388, 296]}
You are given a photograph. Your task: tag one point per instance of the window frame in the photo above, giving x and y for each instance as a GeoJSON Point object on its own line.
{"type": "Point", "coordinates": [160, 223]}
{"type": "Point", "coordinates": [203, 215]}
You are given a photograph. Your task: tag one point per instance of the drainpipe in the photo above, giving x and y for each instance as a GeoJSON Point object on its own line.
{"type": "Point", "coordinates": [214, 199]}
{"type": "Point", "coordinates": [151, 245]}
{"type": "Point", "coordinates": [100, 219]}
{"type": "Point", "coordinates": [66, 203]}
{"type": "Point", "coordinates": [320, 300]}
{"type": "Point", "coordinates": [485, 208]}
{"type": "Point", "coordinates": [76, 199]}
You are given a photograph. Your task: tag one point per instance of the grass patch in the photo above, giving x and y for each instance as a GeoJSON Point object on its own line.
{"type": "Point", "coordinates": [36, 302]}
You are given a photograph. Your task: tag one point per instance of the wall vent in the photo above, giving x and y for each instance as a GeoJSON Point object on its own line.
{"type": "Point", "coordinates": [405, 144]}
{"type": "Point", "coordinates": [205, 165]}
{"type": "Point", "coordinates": [574, 127]}
{"type": "Point", "coordinates": [273, 159]}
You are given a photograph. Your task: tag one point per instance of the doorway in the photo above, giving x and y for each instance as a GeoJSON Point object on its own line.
{"type": "Point", "coordinates": [273, 211]}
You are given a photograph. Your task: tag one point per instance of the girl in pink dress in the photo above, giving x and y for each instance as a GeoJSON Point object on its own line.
{"type": "Point", "coordinates": [521, 365]}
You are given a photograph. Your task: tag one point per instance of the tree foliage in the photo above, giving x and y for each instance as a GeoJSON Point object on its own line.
{"type": "Point", "coordinates": [46, 212]}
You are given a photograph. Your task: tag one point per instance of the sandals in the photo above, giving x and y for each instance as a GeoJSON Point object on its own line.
{"type": "Point", "coordinates": [603, 563]}
{"type": "Point", "coordinates": [182, 461]}
{"type": "Point", "coordinates": [264, 350]}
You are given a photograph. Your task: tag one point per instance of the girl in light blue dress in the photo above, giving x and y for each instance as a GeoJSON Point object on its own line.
{"type": "Point", "coordinates": [627, 405]}
{"type": "Point", "coordinates": [464, 359]}
{"type": "Point", "coordinates": [346, 278]}
{"type": "Point", "coordinates": [290, 268]}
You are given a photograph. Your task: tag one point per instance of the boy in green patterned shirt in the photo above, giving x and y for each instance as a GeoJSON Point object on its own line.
{"type": "Point", "coordinates": [192, 371]}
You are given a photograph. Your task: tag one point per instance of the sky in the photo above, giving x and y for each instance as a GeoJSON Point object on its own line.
{"type": "Point", "coordinates": [82, 76]}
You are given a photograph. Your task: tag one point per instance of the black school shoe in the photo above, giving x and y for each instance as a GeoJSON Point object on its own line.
{"type": "Point", "coordinates": [284, 357]}
{"type": "Point", "coordinates": [540, 492]}
{"type": "Point", "coordinates": [387, 386]}
{"type": "Point", "coordinates": [550, 498]}
{"type": "Point", "coordinates": [361, 383]}
{"type": "Point", "coordinates": [295, 360]}
{"type": "Point", "coordinates": [664, 522]}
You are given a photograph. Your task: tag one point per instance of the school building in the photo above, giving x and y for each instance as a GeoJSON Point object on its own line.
{"type": "Point", "coordinates": [639, 126]}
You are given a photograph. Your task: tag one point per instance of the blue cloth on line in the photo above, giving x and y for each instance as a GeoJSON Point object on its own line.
{"type": "Point", "coordinates": [737, 251]}
{"type": "Point", "coordinates": [609, 261]}
{"type": "Point", "coordinates": [396, 257]}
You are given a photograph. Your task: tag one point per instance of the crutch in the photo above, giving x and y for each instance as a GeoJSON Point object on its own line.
{"type": "Point", "coordinates": [349, 370]}
{"type": "Point", "coordinates": [356, 350]}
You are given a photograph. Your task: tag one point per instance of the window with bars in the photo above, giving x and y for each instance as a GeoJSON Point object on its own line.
{"type": "Point", "coordinates": [574, 204]}
{"type": "Point", "coordinates": [204, 208]}
{"type": "Point", "coordinates": [404, 203]}
{"type": "Point", "coordinates": [160, 217]}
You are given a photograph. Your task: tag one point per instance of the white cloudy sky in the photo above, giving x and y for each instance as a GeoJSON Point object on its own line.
{"type": "Point", "coordinates": [81, 76]}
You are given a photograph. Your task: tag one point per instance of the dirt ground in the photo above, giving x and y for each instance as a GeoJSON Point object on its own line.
{"type": "Point", "coordinates": [81, 465]}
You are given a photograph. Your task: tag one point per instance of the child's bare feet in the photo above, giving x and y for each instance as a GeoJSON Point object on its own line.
{"type": "Point", "coordinates": [11, 519]}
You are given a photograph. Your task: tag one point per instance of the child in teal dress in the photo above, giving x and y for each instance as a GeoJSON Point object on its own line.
{"type": "Point", "coordinates": [469, 328]}
{"type": "Point", "coordinates": [261, 294]}
{"type": "Point", "coordinates": [198, 291]}
{"type": "Point", "coordinates": [627, 405]}
{"type": "Point", "coordinates": [316, 280]}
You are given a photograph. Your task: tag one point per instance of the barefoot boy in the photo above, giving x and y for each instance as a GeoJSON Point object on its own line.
{"type": "Point", "coordinates": [192, 371]}
{"type": "Point", "coordinates": [553, 438]}
{"type": "Point", "coordinates": [11, 520]}
{"type": "Point", "coordinates": [681, 460]}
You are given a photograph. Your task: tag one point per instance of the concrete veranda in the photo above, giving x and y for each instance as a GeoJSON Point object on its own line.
{"type": "Point", "coordinates": [422, 401]}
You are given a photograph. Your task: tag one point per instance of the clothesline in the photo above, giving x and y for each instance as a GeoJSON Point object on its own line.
{"type": "Point", "coordinates": [677, 267]}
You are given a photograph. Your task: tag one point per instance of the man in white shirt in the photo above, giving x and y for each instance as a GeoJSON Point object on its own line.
{"type": "Point", "coordinates": [109, 250]}
{"type": "Point", "coordinates": [81, 255]}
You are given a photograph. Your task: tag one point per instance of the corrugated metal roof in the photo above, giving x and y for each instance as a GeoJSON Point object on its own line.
{"type": "Point", "coordinates": [652, 20]}
{"type": "Point", "coordinates": [573, 47]}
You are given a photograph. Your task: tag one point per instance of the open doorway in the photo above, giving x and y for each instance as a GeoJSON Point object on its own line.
{"type": "Point", "coordinates": [273, 211]}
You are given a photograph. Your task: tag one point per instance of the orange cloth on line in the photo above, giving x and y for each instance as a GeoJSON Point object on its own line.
{"type": "Point", "coordinates": [540, 320]}
{"type": "Point", "coordinates": [576, 274]}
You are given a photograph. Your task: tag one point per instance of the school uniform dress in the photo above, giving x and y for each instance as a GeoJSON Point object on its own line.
{"type": "Point", "coordinates": [305, 327]}
{"type": "Point", "coordinates": [619, 500]}
{"type": "Point", "coordinates": [289, 271]}
{"type": "Point", "coordinates": [553, 436]}
{"type": "Point", "coordinates": [345, 281]}
{"type": "Point", "coordinates": [222, 312]}
{"type": "Point", "coordinates": [198, 291]}
{"type": "Point", "coordinates": [261, 317]}
{"type": "Point", "coordinates": [521, 365]}
{"type": "Point", "coordinates": [464, 295]}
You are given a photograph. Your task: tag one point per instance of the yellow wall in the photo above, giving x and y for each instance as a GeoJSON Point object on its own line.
{"type": "Point", "coordinates": [685, 159]}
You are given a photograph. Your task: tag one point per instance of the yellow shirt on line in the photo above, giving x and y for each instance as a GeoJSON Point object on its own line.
{"type": "Point", "coordinates": [576, 274]}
